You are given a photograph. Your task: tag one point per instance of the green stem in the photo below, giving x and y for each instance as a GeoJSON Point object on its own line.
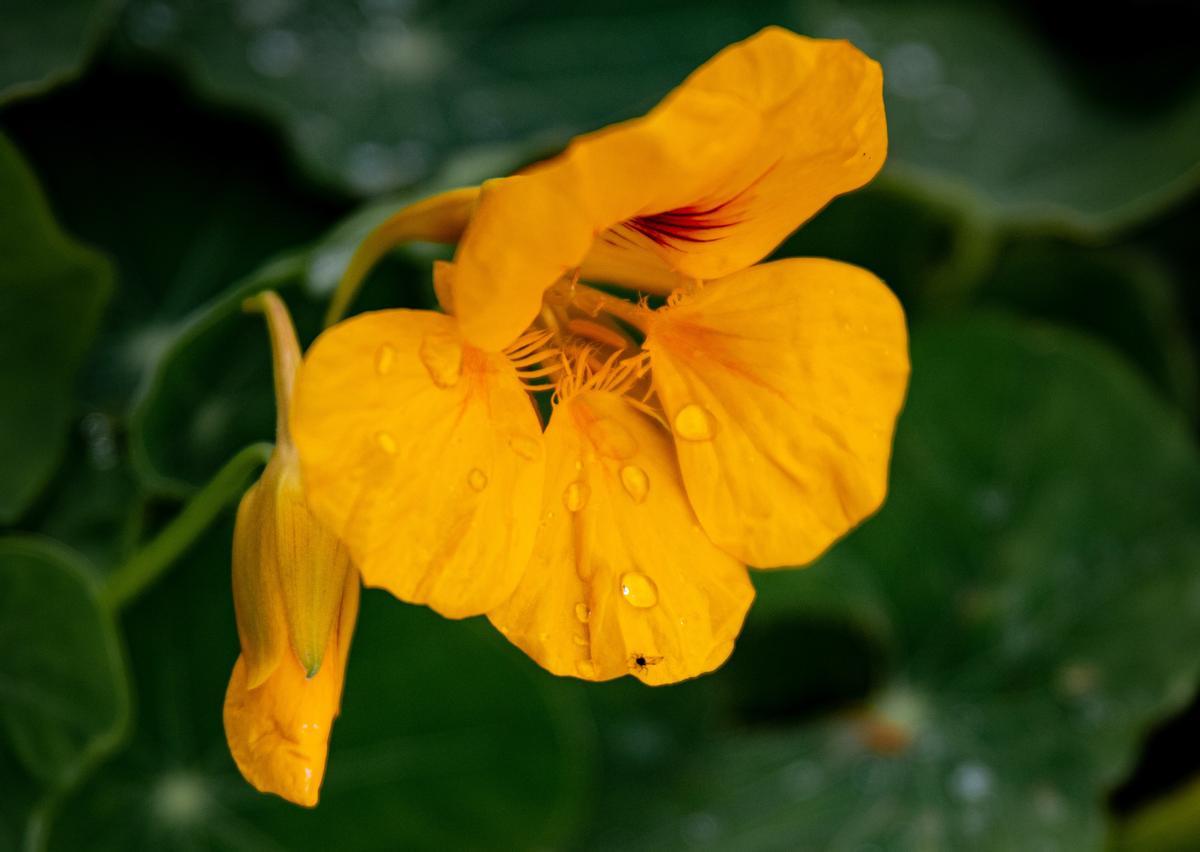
{"type": "Point", "coordinates": [148, 563]}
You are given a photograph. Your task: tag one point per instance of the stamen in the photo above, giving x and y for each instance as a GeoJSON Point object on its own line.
{"type": "Point", "coordinates": [536, 358]}
{"type": "Point", "coordinates": [548, 370]}
{"type": "Point", "coordinates": [599, 333]}
{"type": "Point", "coordinates": [527, 343]}
{"type": "Point", "coordinates": [615, 374]}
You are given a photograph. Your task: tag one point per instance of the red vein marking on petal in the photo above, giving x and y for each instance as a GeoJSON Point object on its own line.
{"type": "Point", "coordinates": [693, 223]}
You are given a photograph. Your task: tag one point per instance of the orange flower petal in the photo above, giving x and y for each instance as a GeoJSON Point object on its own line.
{"type": "Point", "coordinates": [622, 580]}
{"type": "Point", "coordinates": [257, 601]}
{"type": "Point", "coordinates": [424, 455]}
{"type": "Point", "coordinates": [709, 182]}
{"type": "Point", "coordinates": [278, 732]}
{"type": "Point", "coordinates": [823, 133]}
{"type": "Point", "coordinates": [782, 384]}
{"type": "Point", "coordinates": [312, 567]}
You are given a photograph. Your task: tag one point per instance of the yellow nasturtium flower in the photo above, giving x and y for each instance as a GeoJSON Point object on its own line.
{"type": "Point", "coordinates": [295, 593]}
{"type": "Point", "coordinates": [747, 421]}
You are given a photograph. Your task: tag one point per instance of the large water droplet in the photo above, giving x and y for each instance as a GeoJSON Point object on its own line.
{"type": "Point", "coordinates": [638, 589]}
{"type": "Point", "coordinates": [442, 356]}
{"type": "Point", "coordinates": [477, 479]}
{"type": "Point", "coordinates": [586, 668]}
{"type": "Point", "coordinates": [526, 446]}
{"type": "Point", "coordinates": [693, 423]}
{"type": "Point", "coordinates": [636, 482]}
{"type": "Point", "coordinates": [386, 442]}
{"type": "Point", "coordinates": [575, 496]}
{"type": "Point", "coordinates": [385, 359]}
{"type": "Point", "coordinates": [582, 612]}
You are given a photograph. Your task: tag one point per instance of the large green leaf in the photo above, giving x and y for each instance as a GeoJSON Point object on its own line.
{"type": "Point", "coordinates": [52, 292]}
{"type": "Point", "coordinates": [446, 740]}
{"type": "Point", "coordinates": [1034, 584]}
{"type": "Point", "coordinates": [380, 95]}
{"type": "Point", "coordinates": [41, 43]}
{"type": "Point", "coordinates": [1126, 297]}
{"type": "Point", "coordinates": [18, 805]}
{"type": "Point", "coordinates": [216, 367]}
{"type": "Point", "coordinates": [95, 505]}
{"type": "Point", "coordinates": [63, 692]}
{"type": "Point", "coordinates": [211, 391]}
{"type": "Point", "coordinates": [979, 104]}
{"type": "Point", "coordinates": [186, 200]}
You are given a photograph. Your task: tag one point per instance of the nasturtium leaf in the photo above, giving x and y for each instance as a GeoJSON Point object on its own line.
{"type": "Point", "coordinates": [1168, 824]}
{"type": "Point", "coordinates": [63, 693]}
{"type": "Point", "coordinates": [1123, 296]}
{"type": "Point", "coordinates": [211, 390]}
{"type": "Point", "coordinates": [375, 96]}
{"type": "Point", "coordinates": [94, 505]}
{"type": "Point", "coordinates": [52, 293]}
{"type": "Point", "coordinates": [20, 804]}
{"type": "Point", "coordinates": [185, 199]}
{"type": "Point", "coordinates": [447, 739]}
{"type": "Point", "coordinates": [216, 367]}
{"type": "Point", "coordinates": [907, 241]}
{"type": "Point", "coordinates": [1034, 579]}
{"type": "Point", "coordinates": [41, 43]}
{"type": "Point", "coordinates": [977, 102]}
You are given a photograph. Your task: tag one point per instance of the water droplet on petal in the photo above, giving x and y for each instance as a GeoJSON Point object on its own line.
{"type": "Point", "coordinates": [386, 442]}
{"type": "Point", "coordinates": [693, 423]}
{"type": "Point", "coordinates": [477, 479]}
{"type": "Point", "coordinates": [638, 589]}
{"type": "Point", "coordinates": [575, 496]}
{"type": "Point", "coordinates": [526, 446]}
{"type": "Point", "coordinates": [442, 356]}
{"type": "Point", "coordinates": [581, 641]}
{"type": "Point", "coordinates": [636, 482]}
{"type": "Point", "coordinates": [582, 612]}
{"type": "Point", "coordinates": [385, 359]}
{"type": "Point", "coordinates": [586, 668]}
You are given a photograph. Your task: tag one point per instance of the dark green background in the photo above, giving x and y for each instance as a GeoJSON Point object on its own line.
{"type": "Point", "coordinates": [1005, 658]}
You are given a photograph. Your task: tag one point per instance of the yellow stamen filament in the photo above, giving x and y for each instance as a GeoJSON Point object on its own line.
{"type": "Point", "coordinates": [536, 358]}
{"type": "Point", "coordinates": [615, 374]}
{"type": "Point", "coordinates": [548, 370]}
{"type": "Point", "coordinates": [599, 333]}
{"type": "Point", "coordinates": [528, 343]}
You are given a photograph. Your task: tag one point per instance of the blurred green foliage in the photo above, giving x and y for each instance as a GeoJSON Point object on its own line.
{"type": "Point", "coordinates": [978, 667]}
{"type": "Point", "coordinates": [52, 291]}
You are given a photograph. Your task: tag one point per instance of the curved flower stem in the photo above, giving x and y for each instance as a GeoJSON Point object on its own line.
{"type": "Point", "coordinates": [148, 564]}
